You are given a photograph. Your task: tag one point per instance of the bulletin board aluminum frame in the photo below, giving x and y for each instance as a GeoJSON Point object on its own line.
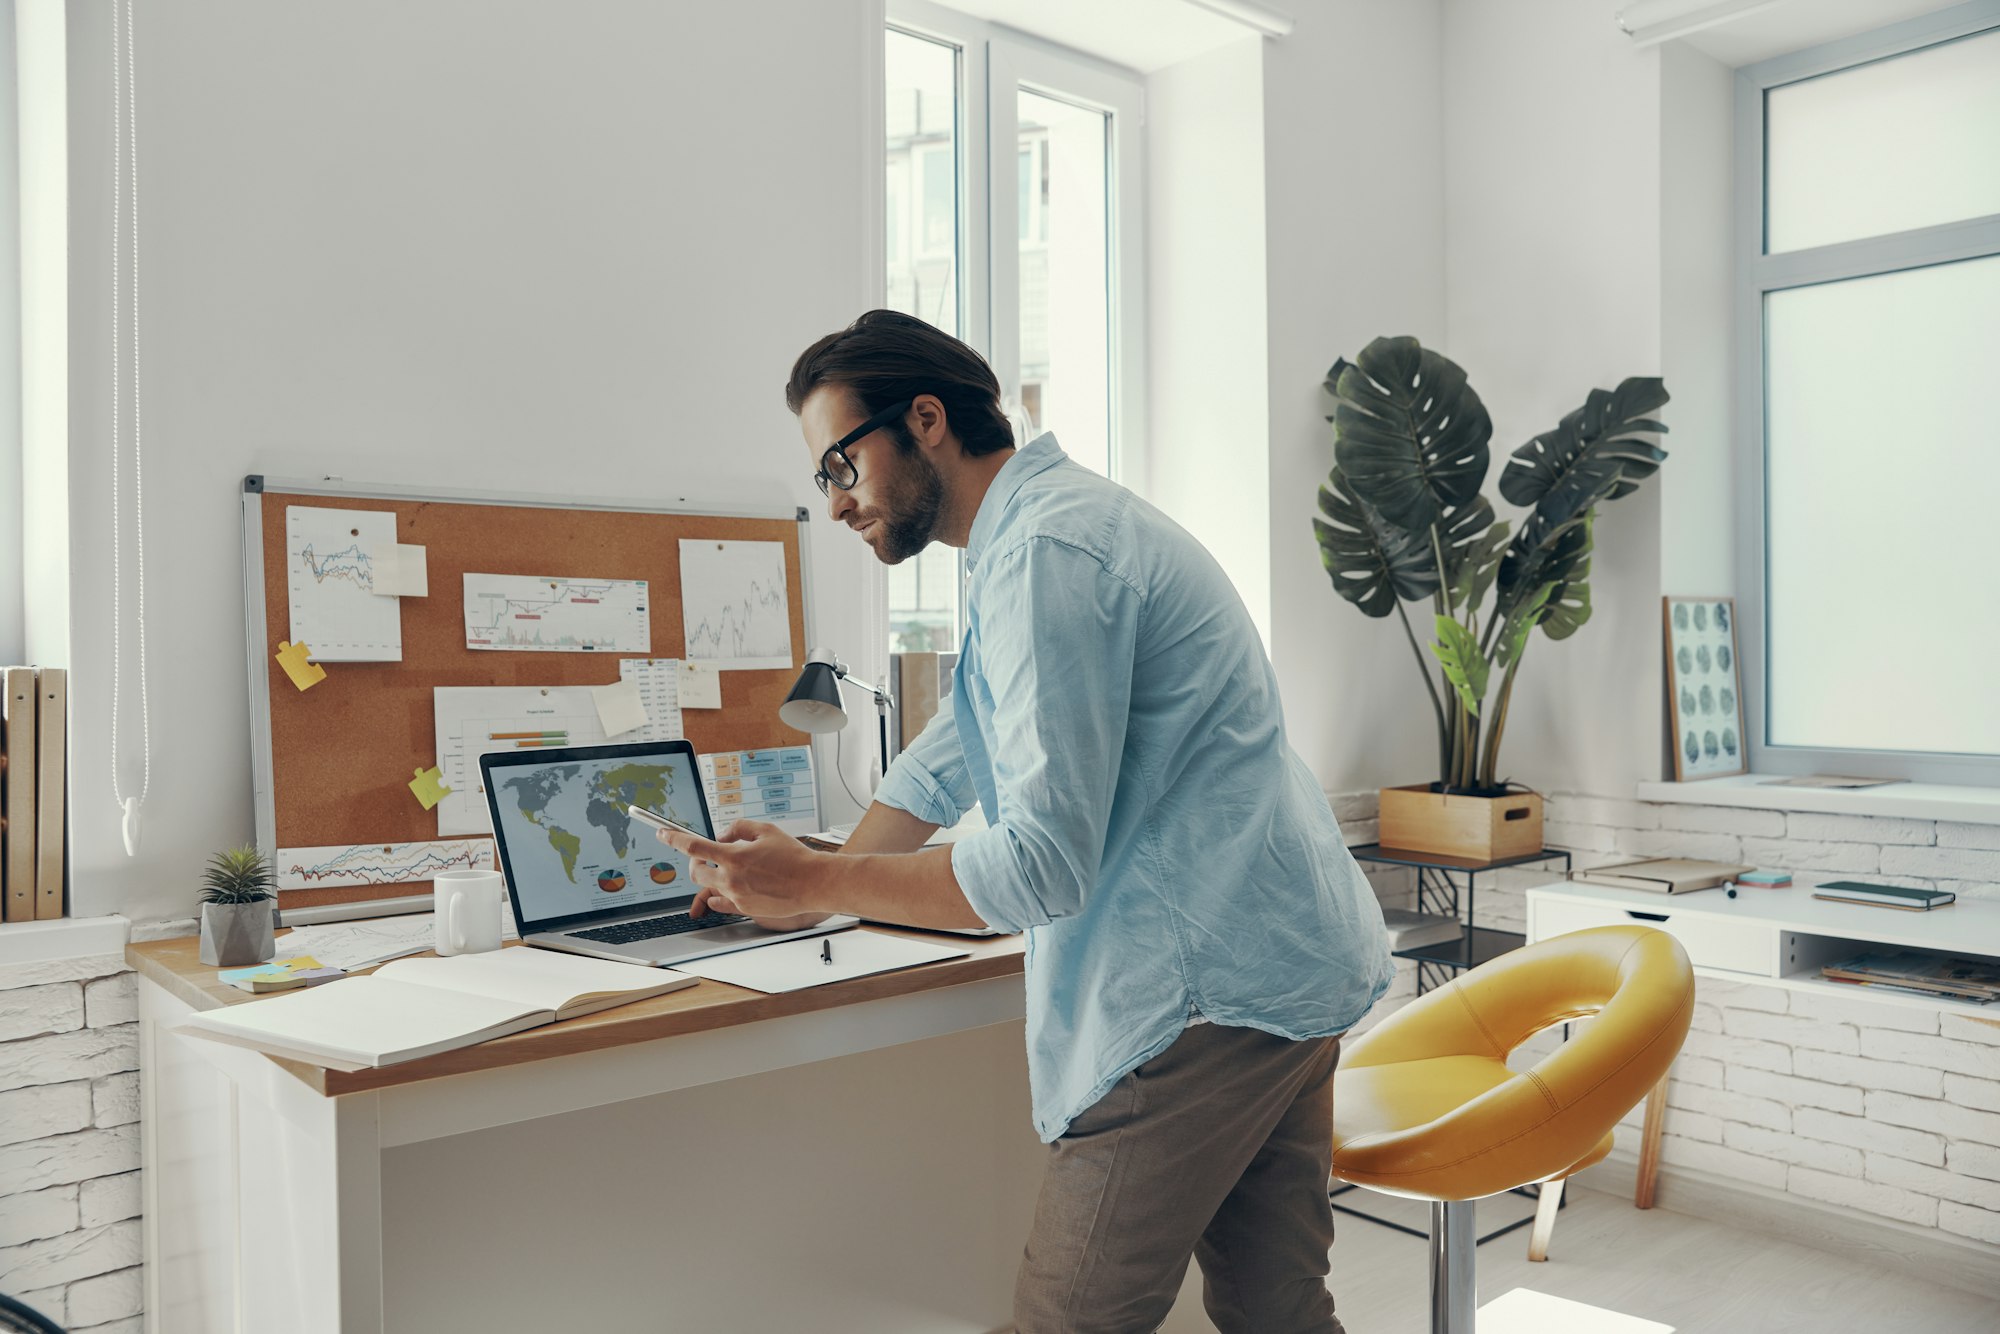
{"type": "Point", "coordinates": [257, 631]}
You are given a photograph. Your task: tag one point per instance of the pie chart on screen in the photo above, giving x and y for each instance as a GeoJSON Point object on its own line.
{"type": "Point", "coordinates": [611, 881]}
{"type": "Point", "coordinates": [663, 873]}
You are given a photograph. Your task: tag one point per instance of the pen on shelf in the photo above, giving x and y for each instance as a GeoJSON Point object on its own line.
{"type": "Point", "coordinates": [826, 951]}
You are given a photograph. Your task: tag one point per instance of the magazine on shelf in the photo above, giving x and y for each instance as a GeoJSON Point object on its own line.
{"type": "Point", "coordinates": [1971, 979]}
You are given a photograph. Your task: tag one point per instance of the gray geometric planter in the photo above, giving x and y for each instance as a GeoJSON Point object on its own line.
{"type": "Point", "coordinates": [234, 935]}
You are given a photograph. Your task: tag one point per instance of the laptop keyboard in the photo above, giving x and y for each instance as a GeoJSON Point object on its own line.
{"type": "Point", "coordinates": [624, 933]}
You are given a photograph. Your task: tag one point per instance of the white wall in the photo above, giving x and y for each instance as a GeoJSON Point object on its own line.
{"type": "Point", "coordinates": [1208, 410]}
{"type": "Point", "coordinates": [514, 246]}
{"type": "Point", "coordinates": [1354, 243]}
{"type": "Point", "coordinates": [13, 637]}
{"type": "Point", "coordinates": [1697, 221]}
{"type": "Point", "coordinates": [1552, 253]}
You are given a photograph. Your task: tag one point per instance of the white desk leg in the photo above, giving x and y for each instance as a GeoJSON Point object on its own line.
{"type": "Point", "coordinates": [263, 1200]}
{"type": "Point", "coordinates": [1649, 1144]}
{"type": "Point", "coordinates": [1549, 1200]}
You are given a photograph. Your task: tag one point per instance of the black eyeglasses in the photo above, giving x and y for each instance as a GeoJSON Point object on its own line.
{"type": "Point", "coordinates": [835, 468]}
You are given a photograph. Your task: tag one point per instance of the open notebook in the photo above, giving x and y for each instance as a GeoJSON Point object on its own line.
{"type": "Point", "coordinates": [419, 1007]}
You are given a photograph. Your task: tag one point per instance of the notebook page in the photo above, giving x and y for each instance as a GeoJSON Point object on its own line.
{"type": "Point", "coordinates": [565, 984]}
{"type": "Point", "coordinates": [359, 1022]}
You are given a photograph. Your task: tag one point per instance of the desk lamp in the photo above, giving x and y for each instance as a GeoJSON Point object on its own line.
{"type": "Point", "coordinates": [814, 704]}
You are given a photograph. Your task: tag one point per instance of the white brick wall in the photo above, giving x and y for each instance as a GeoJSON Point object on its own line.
{"type": "Point", "coordinates": [69, 1143]}
{"type": "Point", "coordinates": [1888, 1110]}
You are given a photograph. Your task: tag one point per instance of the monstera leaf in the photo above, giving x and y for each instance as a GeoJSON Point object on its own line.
{"type": "Point", "coordinates": [1371, 562]}
{"type": "Point", "coordinates": [1409, 432]}
{"type": "Point", "coordinates": [1594, 454]}
{"type": "Point", "coordinates": [1464, 665]}
{"type": "Point", "coordinates": [1472, 544]}
{"type": "Point", "coordinates": [1515, 637]}
{"type": "Point", "coordinates": [1544, 553]}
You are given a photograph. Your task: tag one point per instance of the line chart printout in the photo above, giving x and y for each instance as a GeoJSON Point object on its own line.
{"type": "Point", "coordinates": [734, 604]}
{"type": "Point", "coordinates": [472, 720]}
{"type": "Point", "coordinates": [537, 614]}
{"type": "Point", "coordinates": [331, 558]}
{"type": "Point", "coordinates": [349, 864]}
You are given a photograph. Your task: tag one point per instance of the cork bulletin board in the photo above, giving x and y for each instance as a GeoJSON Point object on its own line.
{"type": "Point", "coordinates": [332, 764]}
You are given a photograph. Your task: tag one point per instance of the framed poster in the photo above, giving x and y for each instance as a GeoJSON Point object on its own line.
{"type": "Point", "coordinates": [1704, 688]}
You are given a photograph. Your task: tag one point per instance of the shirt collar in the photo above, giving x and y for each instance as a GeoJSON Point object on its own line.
{"type": "Point", "coordinates": [1037, 456]}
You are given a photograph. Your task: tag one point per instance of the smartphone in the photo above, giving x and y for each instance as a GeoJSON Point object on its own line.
{"type": "Point", "coordinates": [659, 821]}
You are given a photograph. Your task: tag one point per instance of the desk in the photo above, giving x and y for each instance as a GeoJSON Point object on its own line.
{"type": "Point", "coordinates": [1771, 937]}
{"type": "Point", "coordinates": [857, 1156]}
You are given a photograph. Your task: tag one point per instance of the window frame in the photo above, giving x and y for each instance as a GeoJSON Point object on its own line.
{"type": "Point", "coordinates": [1759, 274]}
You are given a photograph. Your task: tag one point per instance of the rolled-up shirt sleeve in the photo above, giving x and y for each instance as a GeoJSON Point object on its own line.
{"type": "Point", "coordinates": [929, 779]}
{"type": "Point", "coordinates": [1058, 663]}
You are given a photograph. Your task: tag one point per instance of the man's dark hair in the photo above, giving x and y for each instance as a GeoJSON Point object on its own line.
{"type": "Point", "coordinates": [886, 356]}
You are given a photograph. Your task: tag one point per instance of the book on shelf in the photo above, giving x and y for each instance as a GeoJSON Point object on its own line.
{"type": "Point", "coordinates": [1410, 930]}
{"type": "Point", "coordinates": [419, 1007]}
{"type": "Point", "coordinates": [1944, 975]}
{"type": "Point", "coordinates": [1662, 875]}
{"type": "Point", "coordinates": [1883, 896]}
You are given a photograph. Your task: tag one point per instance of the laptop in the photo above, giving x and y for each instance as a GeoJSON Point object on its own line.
{"type": "Point", "coordinates": [585, 876]}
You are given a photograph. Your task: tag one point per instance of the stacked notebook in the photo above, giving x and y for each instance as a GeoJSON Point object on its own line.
{"type": "Point", "coordinates": [419, 1007]}
{"type": "Point", "coordinates": [1663, 875]}
{"type": "Point", "coordinates": [1967, 979]}
{"type": "Point", "coordinates": [1883, 896]}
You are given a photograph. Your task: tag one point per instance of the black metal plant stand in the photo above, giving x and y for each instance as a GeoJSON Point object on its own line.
{"type": "Point", "coordinates": [1437, 892]}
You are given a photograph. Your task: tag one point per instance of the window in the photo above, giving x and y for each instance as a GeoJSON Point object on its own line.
{"type": "Point", "coordinates": [991, 134]}
{"type": "Point", "coordinates": [1869, 249]}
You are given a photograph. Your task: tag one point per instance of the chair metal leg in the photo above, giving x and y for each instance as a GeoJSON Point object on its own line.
{"type": "Point", "coordinates": [1454, 1286]}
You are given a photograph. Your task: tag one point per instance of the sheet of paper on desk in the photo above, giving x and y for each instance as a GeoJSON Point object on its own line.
{"type": "Point", "coordinates": [365, 943]}
{"type": "Point", "coordinates": [794, 965]}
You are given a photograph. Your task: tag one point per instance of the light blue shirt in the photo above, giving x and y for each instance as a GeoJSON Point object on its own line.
{"type": "Point", "coordinates": [1166, 852]}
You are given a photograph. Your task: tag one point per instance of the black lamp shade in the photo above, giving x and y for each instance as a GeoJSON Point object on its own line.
{"type": "Point", "coordinates": [814, 704]}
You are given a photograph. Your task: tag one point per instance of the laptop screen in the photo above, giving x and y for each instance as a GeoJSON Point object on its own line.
{"type": "Point", "coordinates": [570, 848]}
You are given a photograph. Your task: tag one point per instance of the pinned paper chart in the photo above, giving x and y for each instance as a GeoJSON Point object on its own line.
{"type": "Point", "coordinates": [379, 863]}
{"type": "Point", "coordinates": [473, 720]}
{"type": "Point", "coordinates": [331, 559]}
{"type": "Point", "coordinates": [536, 614]}
{"type": "Point", "coordinates": [773, 785]}
{"type": "Point", "coordinates": [658, 680]}
{"type": "Point", "coordinates": [734, 604]}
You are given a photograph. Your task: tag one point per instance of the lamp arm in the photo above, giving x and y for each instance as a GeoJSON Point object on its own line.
{"type": "Point", "coordinates": [882, 705]}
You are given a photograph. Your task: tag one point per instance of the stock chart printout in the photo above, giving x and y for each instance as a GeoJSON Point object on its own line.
{"type": "Point", "coordinates": [543, 614]}
{"type": "Point", "coordinates": [334, 560]}
{"type": "Point", "coordinates": [734, 604]}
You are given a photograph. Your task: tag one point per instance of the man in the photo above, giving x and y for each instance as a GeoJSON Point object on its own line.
{"type": "Point", "coordinates": [1197, 936]}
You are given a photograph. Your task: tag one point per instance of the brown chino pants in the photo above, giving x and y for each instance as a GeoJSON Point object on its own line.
{"type": "Point", "coordinates": [1218, 1147]}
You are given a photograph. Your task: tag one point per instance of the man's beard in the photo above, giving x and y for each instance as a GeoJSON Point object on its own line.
{"type": "Point", "coordinates": [909, 516]}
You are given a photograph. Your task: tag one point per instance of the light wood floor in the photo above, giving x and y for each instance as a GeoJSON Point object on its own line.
{"type": "Point", "coordinates": [1696, 1276]}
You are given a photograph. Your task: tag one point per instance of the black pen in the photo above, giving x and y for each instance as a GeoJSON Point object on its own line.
{"type": "Point", "coordinates": [826, 951]}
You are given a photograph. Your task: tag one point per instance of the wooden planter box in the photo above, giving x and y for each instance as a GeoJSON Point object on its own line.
{"type": "Point", "coordinates": [1482, 829]}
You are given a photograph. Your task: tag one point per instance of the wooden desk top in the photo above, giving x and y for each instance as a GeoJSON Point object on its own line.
{"type": "Point", "coordinates": [176, 966]}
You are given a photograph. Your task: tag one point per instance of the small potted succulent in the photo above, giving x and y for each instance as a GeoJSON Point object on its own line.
{"type": "Point", "coordinates": [238, 909]}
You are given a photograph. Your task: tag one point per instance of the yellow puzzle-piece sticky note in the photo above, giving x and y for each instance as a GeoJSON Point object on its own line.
{"type": "Point", "coordinates": [429, 787]}
{"type": "Point", "coordinates": [296, 659]}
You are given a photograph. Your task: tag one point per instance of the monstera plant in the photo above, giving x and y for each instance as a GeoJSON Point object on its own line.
{"type": "Point", "coordinates": [1405, 522]}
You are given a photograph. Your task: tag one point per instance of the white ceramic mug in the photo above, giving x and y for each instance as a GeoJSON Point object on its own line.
{"type": "Point", "coordinates": [469, 907]}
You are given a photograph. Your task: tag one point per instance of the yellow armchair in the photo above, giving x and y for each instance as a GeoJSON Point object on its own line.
{"type": "Point", "coordinates": [1425, 1107]}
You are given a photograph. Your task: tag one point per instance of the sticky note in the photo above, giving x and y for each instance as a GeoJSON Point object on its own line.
{"type": "Point", "coordinates": [701, 685]}
{"type": "Point", "coordinates": [429, 787]}
{"type": "Point", "coordinates": [296, 660]}
{"type": "Point", "coordinates": [403, 571]}
{"type": "Point", "coordinates": [620, 707]}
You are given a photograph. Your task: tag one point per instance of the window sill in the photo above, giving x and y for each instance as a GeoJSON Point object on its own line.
{"type": "Point", "coordinates": [1916, 801]}
{"type": "Point", "coordinates": [62, 938]}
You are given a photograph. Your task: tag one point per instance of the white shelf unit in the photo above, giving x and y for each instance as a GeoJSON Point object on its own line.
{"type": "Point", "coordinates": [1780, 937]}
